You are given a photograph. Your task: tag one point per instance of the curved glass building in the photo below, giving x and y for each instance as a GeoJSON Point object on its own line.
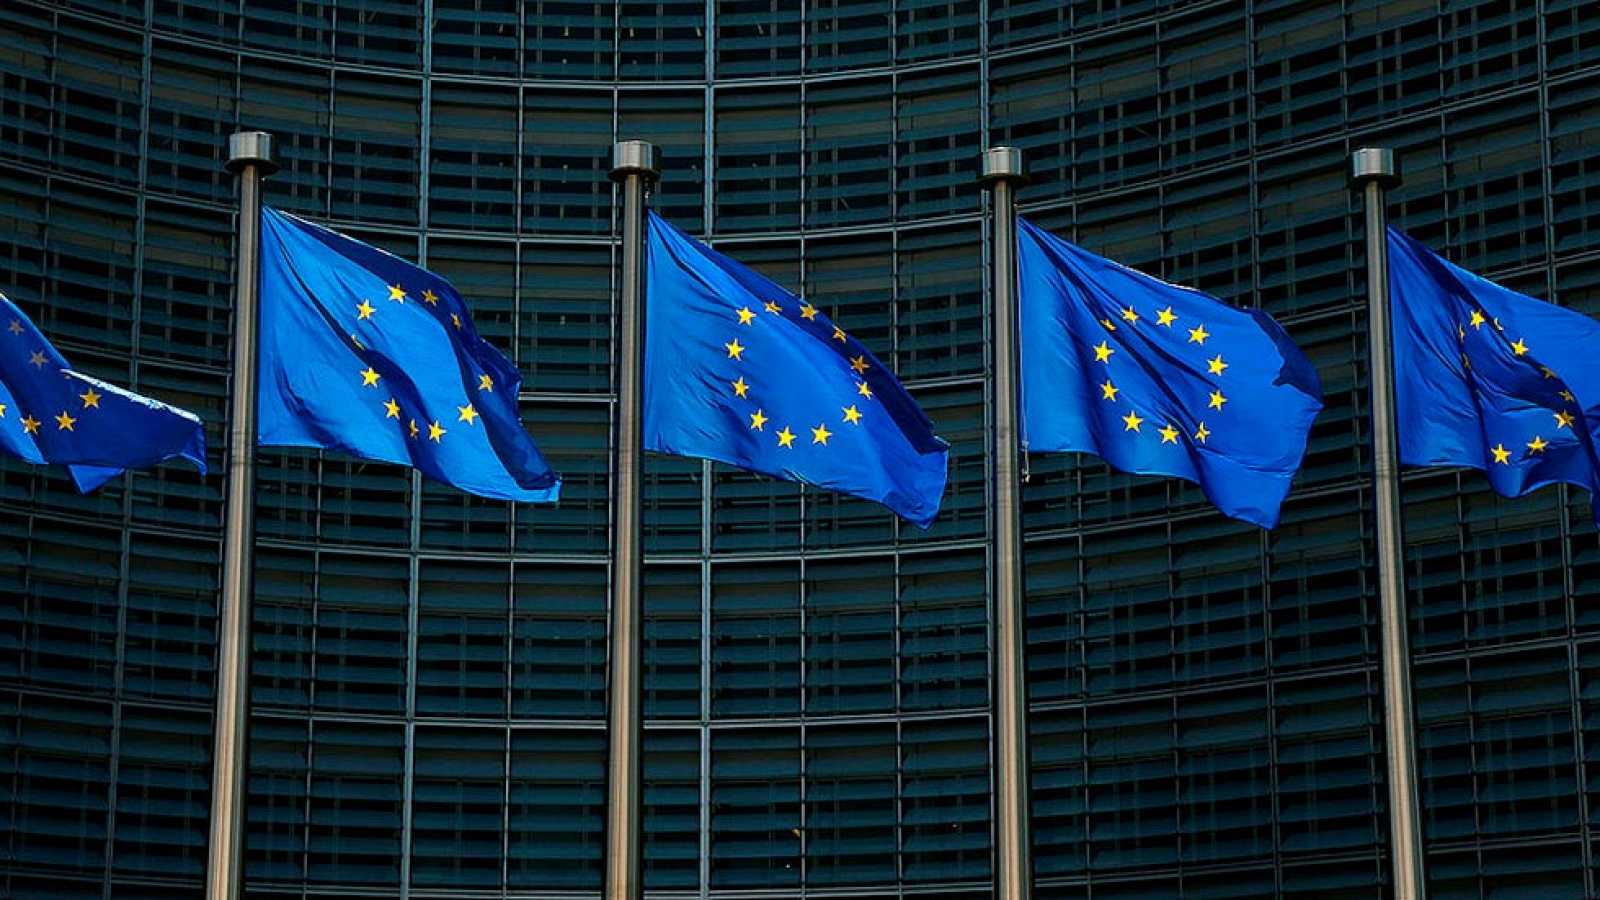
{"type": "Point", "coordinates": [428, 669]}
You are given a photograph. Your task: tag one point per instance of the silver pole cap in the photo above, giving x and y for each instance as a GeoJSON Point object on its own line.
{"type": "Point", "coordinates": [1374, 164]}
{"type": "Point", "coordinates": [635, 157]}
{"type": "Point", "coordinates": [251, 148]}
{"type": "Point", "coordinates": [1002, 164]}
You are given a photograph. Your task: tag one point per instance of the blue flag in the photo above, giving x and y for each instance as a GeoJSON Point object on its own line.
{"type": "Point", "coordinates": [1491, 379]}
{"type": "Point", "coordinates": [50, 413]}
{"type": "Point", "coordinates": [367, 354]}
{"type": "Point", "coordinates": [739, 370]}
{"type": "Point", "coordinates": [1159, 379]}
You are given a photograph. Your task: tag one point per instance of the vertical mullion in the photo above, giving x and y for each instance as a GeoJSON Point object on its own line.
{"type": "Point", "coordinates": [409, 751]}
{"type": "Point", "coordinates": [800, 763]}
{"type": "Point", "coordinates": [125, 538]}
{"type": "Point", "coordinates": [516, 243]}
{"type": "Point", "coordinates": [710, 227]}
{"type": "Point", "coordinates": [311, 710]}
{"type": "Point", "coordinates": [510, 649]}
{"type": "Point", "coordinates": [990, 494]}
{"type": "Point", "coordinates": [1173, 673]}
{"type": "Point", "coordinates": [704, 875]}
{"type": "Point", "coordinates": [894, 249]}
{"type": "Point", "coordinates": [1564, 492]}
{"type": "Point", "coordinates": [899, 718]}
{"type": "Point", "coordinates": [704, 725]}
{"type": "Point", "coordinates": [414, 532]}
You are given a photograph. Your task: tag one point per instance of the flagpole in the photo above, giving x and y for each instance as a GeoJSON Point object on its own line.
{"type": "Point", "coordinates": [249, 157]}
{"type": "Point", "coordinates": [1002, 174]}
{"type": "Point", "coordinates": [635, 164]}
{"type": "Point", "coordinates": [1373, 171]}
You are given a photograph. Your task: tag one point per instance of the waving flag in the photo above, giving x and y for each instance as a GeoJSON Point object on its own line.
{"type": "Point", "coordinates": [1491, 379]}
{"type": "Point", "coordinates": [739, 370]}
{"type": "Point", "coordinates": [367, 354]}
{"type": "Point", "coordinates": [1159, 379]}
{"type": "Point", "coordinates": [51, 413]}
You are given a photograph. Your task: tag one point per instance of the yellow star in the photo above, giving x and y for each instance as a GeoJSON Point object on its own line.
{"type": "Point", "coordinates": [90, 398]}
{"type": "Point", "coordinates": [1563, 419]}
{"type": "Point", "coordinates": [485, 383]}
{"type": "Point", "coordinates": [1202, 433]}
{"type": "Point", "coordinates": [864, 390]}
{"type": "Point", "coordinates": [357, 342]}
{"type": "Point", "coordinates": [785, 437]}
{"type": "Point", "coordinates": [1477, 320]}
{"type": "Point", "coordinates": [1501, 454]}
{"type": "Point", "coordinates": [369, 378]}
{"type": "Point", "coordinates": [467, 414]}
{"type": "Point", "coordinates": [735, 349]}
{"type": "Point", "coordinates": [1129, 316]}
{"type": "Point", "coordinates": [740, 388]}
{"type": "Point", "coordinates": [838, 334]}
{"type": "Point", "coordinates": [851, 414]}
{"type": "Point", "coordinates": [1217, 400]}
{"type": "Point", "coordinates": [808, 312]}
{"type": "Point", "coordinates": [456, 321]}
{"type": "Point", "coordinates": [2, 410]}
{"type": "Point", "coordinates": [1537, 445]}
{"type": "Point", "coordinates": [64, 422]}
{"type": "Point", "coordinates": [1547, 371]}
{"type": "Point", "coordinates": [391, 409]}
{"type": "Point", "coordinates": [1131, 421]}
{"type": "Point", "coordinates": [774, 308]}
{"type": "Point", "coordinates": [1110, 325]}
{"type": "Point", "coordinates": [1519, 348]}
{"type": "Point", "coordinates": [746, 316]}
{"type": "Point", "coordinates": [365, 310]}
{"type": "Point", "coordinates": [413, 427]}
{"type": "Point", "coordinates": [435, 432]}
{"type": "Point", "coordinates": [1461, 332]}
{"type": "Point", "coordinates": [1497, 325]}
{"type": "Point", "coordinates": [1169, 435]}
{"type": "Point", "coordinates": [820, 435]}
{"type": "Point", "coordinates": [430, 298]}
{"type": "Point", "coordinates": [1567, 396]}
{"type": "Point", "coordinates": [30, 425]}
{"type": "Point", "coordinates": [859, 363]}
{"type": "Point", "coordinates": [395, 293]}
{"type": "Point", "coordinates": [1165, 317]}
{"type": "Point", "coordinates": [758, 419]}
{"type": "Point", "coordinates": [1217, 365]}
{"type": "Point", "coordinates": [1108, 391]}
{"type": "Point", "coordinates": [16, 326]}
{"type": "Point", "coordinates": [37, 359]}
{"type": "Point", "coordinates": [1465, 362]}
{"type": "Point", "coordinates": [1102, 352]}
{"type": "Point", "coordinates": [1198, 335]}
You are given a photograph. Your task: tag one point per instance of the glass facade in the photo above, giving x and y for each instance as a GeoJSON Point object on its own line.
{"type": "Point", "coordinates": [428, 669]}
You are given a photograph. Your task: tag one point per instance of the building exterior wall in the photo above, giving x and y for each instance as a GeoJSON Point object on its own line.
{"type": "Point", "coordinates": [429, 668]}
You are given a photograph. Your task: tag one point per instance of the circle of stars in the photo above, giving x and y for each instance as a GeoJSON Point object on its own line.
{"type": "Point", "coordinates": [1565, 417]}
{"type": "Point", "coordinates": [742, 389]}
{"type": "Point", "coordinates": [430, 429]}
{"type": "Point", "coordinates": [65, 420]}
{"type": "Point", "coordinates": [1132, 422]}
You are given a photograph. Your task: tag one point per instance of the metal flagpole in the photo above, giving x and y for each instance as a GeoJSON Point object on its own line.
{"type": "Point", "coordinates": [1373, 171]}
{"type": "Point", "coordinates": [1002, 174]}
{"type": "Point", "coordinates": [250, 157]}
{"type": "Point", "coordinates": [634, 164]}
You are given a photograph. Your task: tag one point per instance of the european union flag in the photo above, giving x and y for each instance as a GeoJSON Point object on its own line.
{"type": "Point", "coordinates": [739, 370]}
{"type": "Point", "coordinates": [1159, 379]}
{"type": "Point", "coordinates": [1491, 379]}
{"type": "Point", "coordinates": [367, 354]}
{"type": "Point", "coordinates": [51, 413]}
